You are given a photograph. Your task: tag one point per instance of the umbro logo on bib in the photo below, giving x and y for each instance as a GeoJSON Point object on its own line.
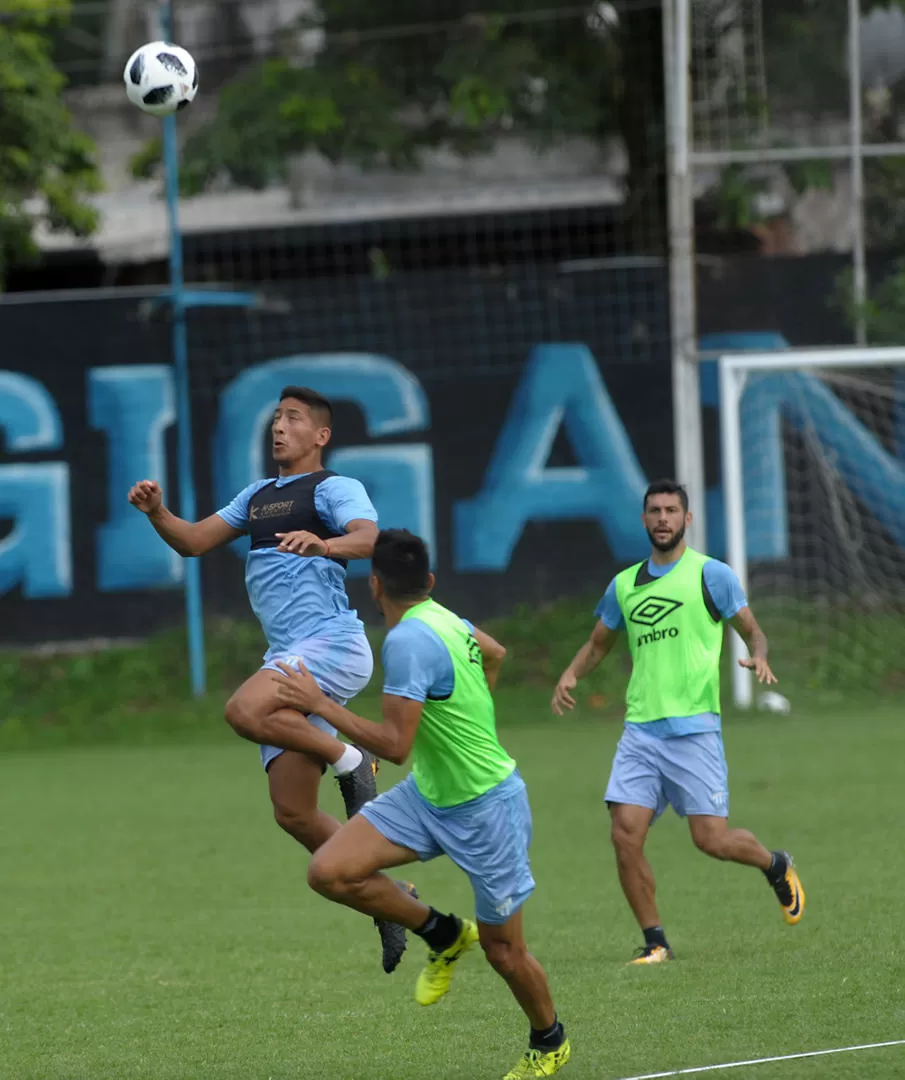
{"type": "Point", "coordinates": [653, 609]}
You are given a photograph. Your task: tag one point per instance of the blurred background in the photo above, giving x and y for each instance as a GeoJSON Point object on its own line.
{"type": "Point", "coordinates": [510, 241]}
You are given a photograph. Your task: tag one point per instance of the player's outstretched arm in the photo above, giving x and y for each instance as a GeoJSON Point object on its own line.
{"type": "Point", "coordinates": [747, 628]}
{"type": "Point", "coordinates": [586, 659]}
{"type": "Point", "coordinates": [390, 741]}
{"type": "Point", "coordinates": [188, 538]}
{"type": "Point", "coordinates": [492, 656]}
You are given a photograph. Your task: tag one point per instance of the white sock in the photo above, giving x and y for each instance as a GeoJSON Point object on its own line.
{"type": "Point", "coordinates": [349, 761]}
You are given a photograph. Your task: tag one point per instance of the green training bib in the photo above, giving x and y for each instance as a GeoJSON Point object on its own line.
{"type": "Point", "coordinates": [676, 636]}
{"type": "Point", "coordinates": [456, 755]}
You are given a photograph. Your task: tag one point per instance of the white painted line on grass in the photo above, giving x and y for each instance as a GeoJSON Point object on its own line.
{"type": "Point", "coordinates": [766, 1060]}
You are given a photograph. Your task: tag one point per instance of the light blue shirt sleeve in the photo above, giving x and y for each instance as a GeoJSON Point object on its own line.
{"type": "Point", "coordinates": [236, 512]}
{"type": "Point", "coordinates": [416, 663]}
{"type": "Point", "coordinates": [725, 588]}
{"type": "Point", "coordinates": [340, 499]}
{"type": "Point", "coordinates": [608, 610]}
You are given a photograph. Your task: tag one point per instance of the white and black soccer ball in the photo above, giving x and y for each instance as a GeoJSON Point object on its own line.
{"type": "Point", "coordinates": [161, 78]}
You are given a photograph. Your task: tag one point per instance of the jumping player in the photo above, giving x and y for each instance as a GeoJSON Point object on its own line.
{"type": "Point", "coordinates": [304, 527]}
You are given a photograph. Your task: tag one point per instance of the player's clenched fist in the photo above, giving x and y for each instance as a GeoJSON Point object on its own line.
{"type": "Point", "coordinates": [146, 496]}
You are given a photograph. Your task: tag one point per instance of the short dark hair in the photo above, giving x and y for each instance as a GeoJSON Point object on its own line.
{"type": "Point", "coordinates": [402, 562]}
{"type": "Point", "coordinates": [317, 403]}
{"type": "Point", "coordinates": [667, 487]}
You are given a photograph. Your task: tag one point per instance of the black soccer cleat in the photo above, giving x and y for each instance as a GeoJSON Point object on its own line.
{"type": "Point", "coordinates": [360, 785]}
{"type": "Point", "coordinates": [392, 935]}
{"type": "Point", "coordinates": [786, 883]}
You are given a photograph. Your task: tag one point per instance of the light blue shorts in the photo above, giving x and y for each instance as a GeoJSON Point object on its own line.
{"type": "Point", "coordinates": [487, 837]}
{"type": "Point", "coordinates": [686, 772]}
{"type": "Point", "coordinates": [342, 668]}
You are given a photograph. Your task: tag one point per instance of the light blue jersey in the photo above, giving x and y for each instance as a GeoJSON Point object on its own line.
{"type": "Point", "coordinates": [416, 663]}
{"type": "Point", "coordinates": [297, 598]}
{"type": "Point", "coordinates": [728, 596]}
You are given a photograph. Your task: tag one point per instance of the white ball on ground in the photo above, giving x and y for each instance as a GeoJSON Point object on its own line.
{"type": "Point", "coordinates": [770, 701]}
{"type": "Point", "coordinates": [161, 78]}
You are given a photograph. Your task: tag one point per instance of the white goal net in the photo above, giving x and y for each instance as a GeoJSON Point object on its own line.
{"type": "Point", "coordinates": [814, 488]}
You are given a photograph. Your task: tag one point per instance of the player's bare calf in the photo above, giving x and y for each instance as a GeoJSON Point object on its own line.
{"type": "Point", "coordinates": [463, 798]}
{"type": "Point", "coordinates": [672, 607]}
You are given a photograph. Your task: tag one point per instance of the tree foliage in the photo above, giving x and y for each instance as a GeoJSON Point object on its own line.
{"type": "Point", "coordinates": [47, 168]}
{"type": "Point", "coordinates": [806, 69]}
{"type": "Point", "coordinates": [882, 313]}
{"type": "Point", "coordinates": [392, 81]}
{"type": "Point", "coordinates": [389, 82]}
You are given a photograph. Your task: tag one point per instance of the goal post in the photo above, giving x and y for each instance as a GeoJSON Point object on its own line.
{"type": "Point", "coordinates": [813, 473]}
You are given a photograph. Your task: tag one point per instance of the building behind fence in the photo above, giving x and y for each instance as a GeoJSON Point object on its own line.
{"type": "Point", "coordinates": [495, 325]}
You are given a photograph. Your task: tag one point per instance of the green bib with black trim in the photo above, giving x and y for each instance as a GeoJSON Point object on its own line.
{"type": "Point", "coordinates": [456, 756]}
{"type": "Point", "coordinates": [675, 635]}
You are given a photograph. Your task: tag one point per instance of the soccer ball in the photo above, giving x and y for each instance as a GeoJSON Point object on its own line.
{"type": "Point", "coordinates": [770, 701]}
{"type": "Point", "coordinates": [161, 78]}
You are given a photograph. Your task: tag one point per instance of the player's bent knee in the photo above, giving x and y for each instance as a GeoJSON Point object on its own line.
{"type": "Point", "coordinates": [326, 877]}
{"type": "Point", "coordinates": [238, 716]}
{"type": "Point", "coordinates": [242, 718]}
{"type": "Point", "coordinates": [504, 957]}
{"type": "Point", "coordinates": [626, 841]}
{"type": "Point", "coordinates": [321, 877]}
{"type": "Point", "coordinates": [300, 826]}
{"type": "Point", "coordinates": [711, 842]}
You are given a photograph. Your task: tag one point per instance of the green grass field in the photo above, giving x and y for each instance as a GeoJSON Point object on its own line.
{"type": "Point", "coordinates": [157, 925]}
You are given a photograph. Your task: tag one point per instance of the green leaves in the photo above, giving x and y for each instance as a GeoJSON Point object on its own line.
{"type": "Point", "coordinates": [883, 310]}
{"type": "Point", "coordinates": [46, 167]}
{"type": "Point", "coordinates": [384, 89]}
{"type": "Point", "coordinates": [735, 197]}
{"type": "Point", "coordinates": [810, 175]}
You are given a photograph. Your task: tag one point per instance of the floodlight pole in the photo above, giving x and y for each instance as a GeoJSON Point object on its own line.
{"type": "Point", "coordinates": [180, 301]}
{"type": "Point", "coordinates": [194, 612]}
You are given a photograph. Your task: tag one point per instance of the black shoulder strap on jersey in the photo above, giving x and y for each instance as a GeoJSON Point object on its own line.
{"type": "Point", "coordinates": [712, 610]}
{"type": "Point", "coordinates": [644, 576]}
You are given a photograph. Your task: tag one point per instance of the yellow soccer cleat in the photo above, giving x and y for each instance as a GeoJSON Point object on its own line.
{"type": "Point", "coordinates": [540, 1063]}
{"type": "Point", "coordinates": [652, 954]}
{"type": "Point", "coordinates": [436, 976]}
{"type": "Point", "coordinates": [790, 892]}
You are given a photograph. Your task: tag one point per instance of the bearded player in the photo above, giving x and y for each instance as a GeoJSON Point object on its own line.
{"type": "Point", "coordinates": [673, 606]}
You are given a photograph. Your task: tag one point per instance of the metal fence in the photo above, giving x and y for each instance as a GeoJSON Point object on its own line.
{"type": "Point", "coordinates": [452, 191]}
{"type": "Point", "coordinates": [453, 221]}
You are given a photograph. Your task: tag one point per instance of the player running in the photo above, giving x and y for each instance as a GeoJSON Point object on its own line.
{"type": "Point", "coordinates": [304, 527]}
{"type": "Point", "coordinates": [463, 797]}
{"type": "Point", "coordinates": [671, 752]}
